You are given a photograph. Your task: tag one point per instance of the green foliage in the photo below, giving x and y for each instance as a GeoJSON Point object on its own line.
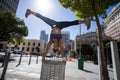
{"type": "Point", "coordinates": [11, 27]}
{"type": "Point", "coordinates": [83, 8]}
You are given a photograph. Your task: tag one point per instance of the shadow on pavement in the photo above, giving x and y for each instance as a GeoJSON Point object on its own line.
{"type": "Point", "coordinates": [88, 71]}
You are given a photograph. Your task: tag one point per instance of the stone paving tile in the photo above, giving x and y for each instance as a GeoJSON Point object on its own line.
{"type": "Point", "coordinates": [75, 78]}
{"type": "Point", "coordinates": [19, 77]}
{"type": "Point", "coordinates": [32, 72]}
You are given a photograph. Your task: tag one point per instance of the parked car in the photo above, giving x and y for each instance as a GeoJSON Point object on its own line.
{"type": "Point", "coordinates": [18, 52]}
{"type": "Point", "coordinates": [2, 58]}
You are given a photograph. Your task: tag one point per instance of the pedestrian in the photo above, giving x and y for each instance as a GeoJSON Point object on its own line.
{"type": "Point", "coordinates": [56, 36]}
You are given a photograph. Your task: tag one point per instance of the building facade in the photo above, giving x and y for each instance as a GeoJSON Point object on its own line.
{"type": "Point", "coordinates": [112, 24]}
{"type": "Point", "coordinates": [66, 37]}
{"type": "Point", "coordinates": [9, 5]}
{"type": "Point", "coordinates": [30, 45]}
{"type": "Point", "coordinates": [43, 36]}
{"type": "Point", "coordinates": [90, 39]}
{"type": "Point", "coordinates": [71, 45]}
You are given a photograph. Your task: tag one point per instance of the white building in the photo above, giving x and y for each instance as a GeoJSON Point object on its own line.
{"type": "Point", "coordinates": [30, 45]}
{"type": "Point", "coordinates": [43, 36]}
{"type": "Point", "coordinates": [112, 23]}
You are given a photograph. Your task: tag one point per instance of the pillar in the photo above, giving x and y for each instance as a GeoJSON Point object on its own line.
{"type": "Point", "coordinates": [115, 60]}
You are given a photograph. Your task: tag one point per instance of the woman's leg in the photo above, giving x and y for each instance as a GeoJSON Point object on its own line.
{"type": "Point", "coordinates": [45, 19]}
{"type": "Point", "coordinates": [65, 24]}
{"type": "Point", "coordinates": [61, 47]}
{"type": "Point", "coordinates": [75, 22]}
{"type": "Point", "coordinates": [47, 49]}
{"type": "Point", "coordinates": [61, 25]}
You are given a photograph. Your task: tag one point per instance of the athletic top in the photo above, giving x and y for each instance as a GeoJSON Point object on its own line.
{"type": "Point", "coordinates": [55, 36]}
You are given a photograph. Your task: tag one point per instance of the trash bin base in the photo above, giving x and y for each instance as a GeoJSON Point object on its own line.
{"type": "Point", "coordinates": [53, 70]}
{"type": "Point", "coordinates": [80, 63]}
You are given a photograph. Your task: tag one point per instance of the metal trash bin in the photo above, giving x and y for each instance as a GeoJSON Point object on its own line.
{"type": "Point", "coordinates": [80, 63]}
{"type": "Point", "coordinates": [53, 70]}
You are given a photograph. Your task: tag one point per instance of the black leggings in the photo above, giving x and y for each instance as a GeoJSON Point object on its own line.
{"type": "Point", "coordinates": [61, 25]}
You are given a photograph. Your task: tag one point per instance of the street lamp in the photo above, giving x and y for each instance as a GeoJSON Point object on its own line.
{"type": "Point", "coordinates": [80, 43]}
{"type": "Point", "coordinates": [80, 60]}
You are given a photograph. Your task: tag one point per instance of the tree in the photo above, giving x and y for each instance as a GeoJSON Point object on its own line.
{"type": "Point", "coordinates": [94, 9]}
{"type": "Point", "coordinates": [11, 28]}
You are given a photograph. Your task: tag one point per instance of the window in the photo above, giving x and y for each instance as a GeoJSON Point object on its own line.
{"type": "Point", "coordinates": [34, 44]}
{"type": "Point", "coordinates": [24, 43]}
{"type": "Point", "coordinates": [38, 44]}
{"type": "Point", "coordinates": [32, 49]}
{"type": "Point", "coordinates": [28, 43]}
{"type": "Point", "coordinates": [23, 48]}
{"type": "Point", "coordinates": [28, 49]}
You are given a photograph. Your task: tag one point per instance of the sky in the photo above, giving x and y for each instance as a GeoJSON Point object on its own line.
{"type": "Point", "coordinates": [51, 9]}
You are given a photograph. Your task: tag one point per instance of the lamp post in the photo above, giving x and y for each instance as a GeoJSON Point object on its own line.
{"type": "Point", "coordinates": [80, 43]}
{"type": "Point", "coordinates": [6, 60]}
{"type": "Point", "coordinates": [80, 59]}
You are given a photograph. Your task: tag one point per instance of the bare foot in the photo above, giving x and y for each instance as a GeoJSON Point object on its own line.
{"type": "Point", "coordinates": [27, 13]}
{"type": "Point", "coordinates": [87, 23]}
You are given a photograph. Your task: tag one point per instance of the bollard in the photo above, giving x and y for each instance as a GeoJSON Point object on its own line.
{"type": "Point", "coordinates": [5, 66]}
{"type": "Point", "coordinates": [19, 60]}
{"type": "Point", "coordinates": [30, 59]}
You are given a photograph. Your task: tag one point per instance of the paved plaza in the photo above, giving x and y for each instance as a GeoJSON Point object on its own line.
{"type": "Point", "coordinates": [33, 71]}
